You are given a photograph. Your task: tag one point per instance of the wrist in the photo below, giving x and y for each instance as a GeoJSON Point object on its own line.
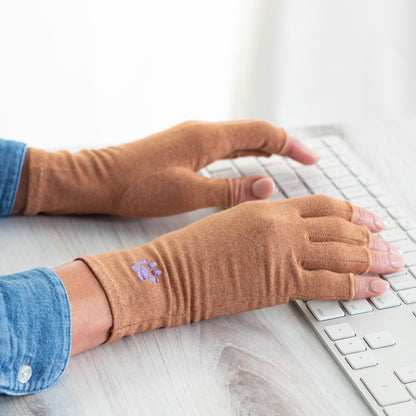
{"type": "Point", "coordinates": [90, 311]}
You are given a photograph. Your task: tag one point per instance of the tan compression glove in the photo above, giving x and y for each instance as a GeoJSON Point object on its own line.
{"type": "Point", "coordinates": [255, 255]}
{"type": "Point", "coordinates": [154, 176]}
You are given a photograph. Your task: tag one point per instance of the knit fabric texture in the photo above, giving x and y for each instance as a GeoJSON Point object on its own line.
{"type": "Point", "coordinates": [255, 255]}
{"type": "Point", "coordinates": [155, 176]}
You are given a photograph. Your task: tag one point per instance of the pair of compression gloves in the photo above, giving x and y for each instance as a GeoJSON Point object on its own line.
{"type": "Point", "coordinates": [254, 255]}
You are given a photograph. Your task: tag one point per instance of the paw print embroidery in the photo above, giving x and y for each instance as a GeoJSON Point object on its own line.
{"type": "Point", "coordinates": [143, 272]}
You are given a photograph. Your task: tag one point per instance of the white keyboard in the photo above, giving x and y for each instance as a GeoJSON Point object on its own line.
{"type": "Point", "coordinates": [372, 340]}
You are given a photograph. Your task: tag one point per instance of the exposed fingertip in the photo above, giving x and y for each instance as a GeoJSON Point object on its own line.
{"type": "Point", "coordinates": [296, 150]}
{"type": "Point", "coordinates": [395, 249]}
{"type": "Point", "coordinates": [378, 286]}
{"type": "Point", "coordinates": [396, 260]}
{"type": "Point", "coordinates": [372, 221]}
{"type": "Point", "coordinates": [366, 286]}
{"type": "Point", "coordinates": [263, 188]}
{"type": "Point", "coordinates": [315, 156]}
{"type": "Point", "coordinates": [379, 222]}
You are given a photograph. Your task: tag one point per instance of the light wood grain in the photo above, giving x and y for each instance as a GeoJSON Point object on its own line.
{"type": "Point", "coordinates": [265, 362]}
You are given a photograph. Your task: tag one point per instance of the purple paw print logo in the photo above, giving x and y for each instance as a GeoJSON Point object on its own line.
{"type": "Point", "coordinates": [143, 272]}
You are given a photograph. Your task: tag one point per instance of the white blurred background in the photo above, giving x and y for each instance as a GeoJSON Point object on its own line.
{"type": "Point", "coordinates": [93, 72]}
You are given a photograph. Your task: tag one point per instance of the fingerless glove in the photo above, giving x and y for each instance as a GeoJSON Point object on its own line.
{"type": "Point", "coordinates": [255, 255]}
{"type": "Point", "coordinates": [154, 176]}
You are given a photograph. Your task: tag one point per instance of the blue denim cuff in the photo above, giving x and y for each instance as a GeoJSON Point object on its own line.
{"type": "Point", "coordinates": [35, 331]}
{"type": "Point", "coordinates": [12, 156]}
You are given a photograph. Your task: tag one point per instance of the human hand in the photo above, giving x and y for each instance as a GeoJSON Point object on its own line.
{"type": "Point", "coordinates": [157, 175]}
{"type": "Point", "coordinates": [255, 255]}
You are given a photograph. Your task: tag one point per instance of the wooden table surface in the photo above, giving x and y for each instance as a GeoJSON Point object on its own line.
{"type": "Point", "coordinates": [266, 362]}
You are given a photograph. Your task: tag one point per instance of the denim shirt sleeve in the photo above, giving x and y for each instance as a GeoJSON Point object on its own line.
{"type": "Point", "coordinates": [35, 331]}
{"type": "Point", "coordinates": [12, 156]}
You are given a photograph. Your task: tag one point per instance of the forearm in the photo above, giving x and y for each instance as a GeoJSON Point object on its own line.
{"type": "Point", "coordinates": [90, 312]}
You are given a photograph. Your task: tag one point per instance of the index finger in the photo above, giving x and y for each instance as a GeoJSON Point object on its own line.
{"type": "Point", "coordinates": [366, 218]}
{"type": "Point", "coordinates": [296, 150]}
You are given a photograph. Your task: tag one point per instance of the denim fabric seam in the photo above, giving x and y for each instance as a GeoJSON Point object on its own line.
{"type": "Point", "coordinates": [14, 171]}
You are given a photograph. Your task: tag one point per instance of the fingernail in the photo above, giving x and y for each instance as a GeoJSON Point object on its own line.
{"type": "Point", "coordinates": [378, 285]}
{"type": "Point", "coordinates": [396, 261]}
{"type": "Point", "coordinates": [380, 222]}
{"type": "Point", "coordinates": [394, 249]}
{"type": "Point", "coordinates": [263, 188]}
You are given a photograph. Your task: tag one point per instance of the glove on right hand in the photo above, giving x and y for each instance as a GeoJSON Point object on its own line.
{"type": "Point", "coordinates": [254, 255]}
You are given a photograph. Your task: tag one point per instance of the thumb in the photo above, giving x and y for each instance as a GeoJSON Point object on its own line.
{"type": "Point", "coordinates": [250, 188]}
{"type": "Point", "coordinates": [201, 192]}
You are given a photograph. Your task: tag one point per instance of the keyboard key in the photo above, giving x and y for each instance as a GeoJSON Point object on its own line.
{"type": "Point", "coordinates": [279, 169]}
{"type": "Point", "coordinates": [383, 213]}
{"type": "Point", "coordinates": [327, 155]}
{"type": "Point", "coordinates": [379, 339]}
{"type": "Point", "coordinates": [347, 182]}
{"type": "Point", "coordinates": [249, 166]}
{"type": "Point", "coordinates": [396, 212]}
{"type": "Point", "coordinates": [341, 149]}
{"type": "Point", "coordinates": [391, 223]}
{"type": "Point", "coordinates": [354, 192]}
{"type": "Point", "coordinates": [294, 189]}
{"type": "Point", "coordinates": [393, 235]}
{"type": "Point", "coordinates": [315, 182]}
{"type": "Point", "coordinates": [387, 300]}
{"type": "Point", "coordinates": [341, 331]}
{"type": "Point", "coordinates": [350, 345]}
{"type": "Point", "coordinates": [406, 374]}
{"type": "Point", "coordinates": [403, 409]}
{"type": "Point", "coordinates": [272, 160]}
{"type": "Point", "coordinates": [277, 196]}
{"type": "Point", "coordinates": [294, 164]}
{"type": "Point", "coordinates": [359, 170]}
{"type": "Point", "coordinates": [389, 276]}
{"type": "Point", "coordinates": [411, 388]}
{"type": "Point", "coordinates": [402, 282]}
{"type": "Point", "coordinates": [376, 190]}
{"type": "Point", "coordinates": [412, 234]}
{"type": "Point", "coordinates": [332, 140]}
{"type": "Point", "coordinates": [349, 160]}
{"type": "Point", "coordinates": [204, 172]}
{"type": "Point", "coordinates": [357, 306]}
{"type": "Point", "coordinates": [314, 143]}
{"type": "Point", "coordinates": [309, 171]}
{"type": "Point", "coordinates": [385, 389]}
{"type": "Point", "coordinates": [221, 164]}
{"type": "Point", "coordinates": [408, 296]}
{"type": "Point", "coordinates": [328, 162]}
{"type": "Point", "coordinates": [286, 178]}
{"type": "Point", "coordinates": [385, 201]}
{"type": "Point", "coordinates": [361, 360]}
{"type": "Point", "coordinates": [366, 202]}
{"type": "Point", "coordinates": [225, 173]}
{"type": "Point", "coordinates": [337, 172]}
{"type": "Point", "coordinates": [330, 191]}
{"type": "Point", "coordinates": [410, 258]}
{"type": "Point", "coordinates": [367, 179]}
{"type": "Point", "coordinates": [407, 224]}
{"type": "Point", "coordinates": [324, 310]}
{"type": "Point", "coordinates": [407, 246]}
